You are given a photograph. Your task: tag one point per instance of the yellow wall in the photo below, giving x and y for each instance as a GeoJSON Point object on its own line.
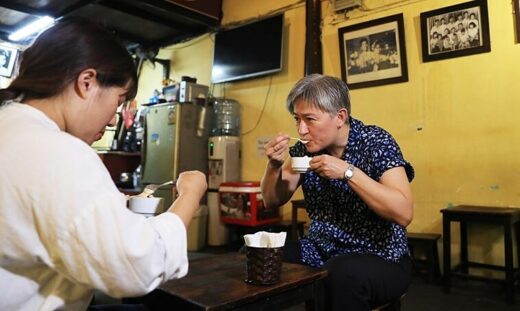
{"type": "Point", "coordinates": [467, 151]}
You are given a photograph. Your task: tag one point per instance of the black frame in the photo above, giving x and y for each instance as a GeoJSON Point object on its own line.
{"type": "Point", "coordinates": [387, 66]}
{"type": "Point", "coordinates": [516, 5]}
{"type": "Point", "coordinates": [11, 55]}
{"type": "Point", "coordinates": [480, 44]}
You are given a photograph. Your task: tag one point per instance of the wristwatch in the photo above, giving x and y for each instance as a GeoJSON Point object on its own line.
{"type": "Point", "coordinates": [349, 172]}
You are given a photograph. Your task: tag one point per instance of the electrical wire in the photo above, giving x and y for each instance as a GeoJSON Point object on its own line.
{"type": "Point", "coordinates": [263, 108]}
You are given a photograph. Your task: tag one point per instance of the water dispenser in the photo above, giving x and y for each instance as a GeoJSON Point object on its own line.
{"type": "Point", "coordinates": [224, 161]}
{"type": "Point", "coordinates": [227, 117]}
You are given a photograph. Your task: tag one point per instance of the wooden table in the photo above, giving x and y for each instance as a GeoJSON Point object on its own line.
{"type": "Point", "coordinates": [217, 283]}
{"type": "Point", "coordinates": [508, 218]}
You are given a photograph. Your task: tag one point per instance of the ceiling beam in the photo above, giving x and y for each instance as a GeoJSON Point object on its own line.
{"type": "Point", "coordinates": [11, 5]}
{"type": "Point", "coordinates": [124, 7]}
{"type": "Point", "coordinates": [78, 5]}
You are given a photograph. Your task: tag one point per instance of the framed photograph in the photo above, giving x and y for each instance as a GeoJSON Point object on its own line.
{"type": "Point", "coordinates": [373, 52]}
{"type": "Point", "coordinates": [7, 60]}
{"type": "Point", "coordinates": [455, 31]}
{"type": "Point", "coordinates": [516, 4]}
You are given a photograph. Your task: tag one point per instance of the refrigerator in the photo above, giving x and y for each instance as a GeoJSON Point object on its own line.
{"type": "Point", "coordinates": [175, 140]}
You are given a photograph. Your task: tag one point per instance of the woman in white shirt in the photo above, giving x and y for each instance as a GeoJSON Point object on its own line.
{"type": "Point", "coordinates": [64, 226]}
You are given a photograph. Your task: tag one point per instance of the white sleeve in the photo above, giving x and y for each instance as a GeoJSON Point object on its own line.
{"type": "Point", "coordinates": [90, 235]}
{"type": "Point", "coordinates": [122, 253]}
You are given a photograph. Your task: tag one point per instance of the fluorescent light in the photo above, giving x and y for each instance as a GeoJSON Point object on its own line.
{"type": "Point", "coordinates": [31, 28]}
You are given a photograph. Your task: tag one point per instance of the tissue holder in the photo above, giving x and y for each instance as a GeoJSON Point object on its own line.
{"type": "Point", "coordinates": [263, 265]}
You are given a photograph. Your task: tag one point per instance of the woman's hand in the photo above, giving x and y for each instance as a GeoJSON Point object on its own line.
{"type": "Point", "coordinates": [192, 181]}
{"type": "Point", "coordinates": [276, 148]}
{"type": "Point", "coordinates": [191, 186]}
{"type": "Point", "coordinates": [328, 166]}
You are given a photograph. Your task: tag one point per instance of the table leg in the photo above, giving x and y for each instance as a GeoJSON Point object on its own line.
{"type": "Point", "coordinates": [435, 263]}
{"type": "Point", "coordinates": [318, 301]}
{"type": "Point", "coordinates": [463, 247]}
{"type": "Point", "coordinates": [446, 246]}
{"type": "Point", "coordinates": [510, 276]}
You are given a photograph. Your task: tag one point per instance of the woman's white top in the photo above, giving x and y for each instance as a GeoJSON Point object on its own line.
{"type": "Point", "coordinates": [64, 226]}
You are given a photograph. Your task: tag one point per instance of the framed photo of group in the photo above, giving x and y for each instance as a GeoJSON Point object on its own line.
{"type": "Point", "coordinates": [7, 60]}
{"type": "Point", "coordinates": [373, 53]}
{"type": "Point", "coordinates": [454, 31]}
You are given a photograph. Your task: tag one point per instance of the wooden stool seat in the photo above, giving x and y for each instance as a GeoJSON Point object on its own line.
{"type": "Point", "coordinates": [430, 262]}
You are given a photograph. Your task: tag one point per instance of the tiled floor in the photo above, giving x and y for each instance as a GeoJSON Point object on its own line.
{"type": "Point", "coordinates": [421, 296]}
{"type": "Point", "coordinates": [465, 296]}
{"type": "Point", "coordinates": [424, 296]}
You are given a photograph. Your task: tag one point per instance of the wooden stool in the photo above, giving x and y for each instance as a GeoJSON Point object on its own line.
{"type": "Point", "coordinates": [428, 243]}
{"type": "Point", "coordinates": [507, 218]}
{"type": "Point", "coordinates": [296, 204]}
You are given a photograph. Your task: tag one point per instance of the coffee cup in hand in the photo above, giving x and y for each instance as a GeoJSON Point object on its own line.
{"type": "Point", "coordinates": [300, 164]}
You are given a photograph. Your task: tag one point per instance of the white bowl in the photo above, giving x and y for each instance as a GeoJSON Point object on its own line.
{"type": "Point", "coordinates": [300, 164]}
{"type": "Point", "coordinates": [146, 206]}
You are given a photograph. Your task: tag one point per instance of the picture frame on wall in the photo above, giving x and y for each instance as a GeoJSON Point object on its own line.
{"type": "Point", "coordinates": [455, 31]}
{"type": "Point", "coordinates": [373, 53]}
{"type": "Point", "coordinates": [8, 57]}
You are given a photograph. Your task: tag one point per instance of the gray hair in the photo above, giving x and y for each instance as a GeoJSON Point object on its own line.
{"type": "Point", "coordinates": [325, 93]}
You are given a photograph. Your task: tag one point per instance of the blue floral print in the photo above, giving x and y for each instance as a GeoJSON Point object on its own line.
{"type": "Point", "coordinates": [341, 223]}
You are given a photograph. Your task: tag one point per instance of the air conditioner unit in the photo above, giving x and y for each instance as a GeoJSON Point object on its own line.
{"type": "Point", "coordinates": [346, 4]}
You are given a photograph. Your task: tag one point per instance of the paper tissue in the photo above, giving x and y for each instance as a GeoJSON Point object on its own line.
{"type": "Point", "coordinates": [264, 251]}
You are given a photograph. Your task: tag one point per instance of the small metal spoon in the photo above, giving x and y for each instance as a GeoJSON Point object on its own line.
{"type": "Point", "coordinates": [151, 188]}
{"type": "Point", "coordinates": [303, 141]}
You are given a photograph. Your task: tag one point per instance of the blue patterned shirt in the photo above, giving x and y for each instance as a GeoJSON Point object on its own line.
{"type": "Point", "coordinates": [341, 223]}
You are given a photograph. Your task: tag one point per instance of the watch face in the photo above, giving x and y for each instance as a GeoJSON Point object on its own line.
{"type": "Point", "coordinates": [349, 172]}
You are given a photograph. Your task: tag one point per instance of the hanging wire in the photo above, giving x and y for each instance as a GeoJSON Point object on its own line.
{"type": "Point", "coordinates": [263, 108]}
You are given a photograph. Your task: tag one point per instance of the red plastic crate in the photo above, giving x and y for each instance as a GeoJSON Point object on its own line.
{"type": "Point", "coordinates": [241, 203]}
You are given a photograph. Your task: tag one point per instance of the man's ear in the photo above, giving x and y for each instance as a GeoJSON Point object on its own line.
{"type": "Point", "coordinates": [85, 82]}
{"type": "Point", "coordinates": [342, 117]}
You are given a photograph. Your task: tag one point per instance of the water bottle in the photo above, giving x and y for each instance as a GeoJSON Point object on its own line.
{"type": "Point", "coordinates": [138, 136]}
{"type": "Point", "coordinates": [127, 141]}
{"type": "Point", "coordinates": [226, 117]}
{"type": "Point", "coordinates": [136, 177]}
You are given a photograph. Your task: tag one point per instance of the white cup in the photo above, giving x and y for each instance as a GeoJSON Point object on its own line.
{"type": "Point", "coordinates": [300, 164]}
{"type": "Point", "coordinates": [148, 207]}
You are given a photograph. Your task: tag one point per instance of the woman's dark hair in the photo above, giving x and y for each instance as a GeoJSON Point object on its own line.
{"type": "Point", "coordinates": [62, 52]}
